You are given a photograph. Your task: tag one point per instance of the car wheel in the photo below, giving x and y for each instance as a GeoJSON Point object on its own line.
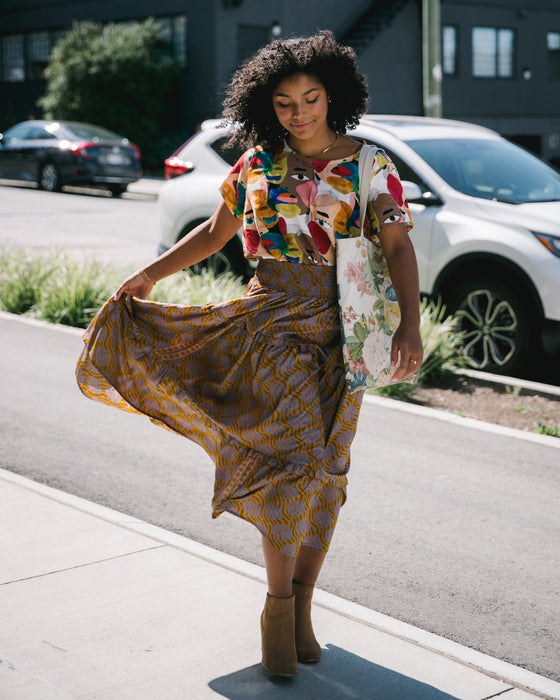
{"type": "Point", "coordinates": [499, 330]}
{"type": "Point", "coordinates": [117, 190]}
{"type": "Point", "coordinates": [229, 259]}
{"type": "Point", "coordinates": [49, 178]}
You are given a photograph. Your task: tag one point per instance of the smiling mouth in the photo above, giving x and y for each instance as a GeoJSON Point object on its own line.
{"type": "Point", "coordinates": [301, 126]}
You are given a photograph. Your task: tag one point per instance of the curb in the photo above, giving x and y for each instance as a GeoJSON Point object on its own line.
{"type": "Point", "coordinates": [502, 380]}
{"type": "Point", "coordinates": [501, 670]}
{"type": "Point", "coordinates": [463, 421]}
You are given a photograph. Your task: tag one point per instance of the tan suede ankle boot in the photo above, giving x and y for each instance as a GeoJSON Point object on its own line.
{"type": "Point", "coordinates": [278, 636]}
{"type": "Point", "coordinates": [308, 648]}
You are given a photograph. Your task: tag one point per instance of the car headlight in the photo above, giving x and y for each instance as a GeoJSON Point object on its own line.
{"type": "Point", "coordinates": [551, 243]}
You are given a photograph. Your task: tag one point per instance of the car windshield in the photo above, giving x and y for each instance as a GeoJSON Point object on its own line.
{"type": "Point", "coordinates": [490, 169]}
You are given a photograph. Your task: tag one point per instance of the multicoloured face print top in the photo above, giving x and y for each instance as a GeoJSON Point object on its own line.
{"type": "Point", "coordinates": [293, 208]}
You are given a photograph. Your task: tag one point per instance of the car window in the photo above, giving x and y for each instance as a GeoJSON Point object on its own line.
{"type": "Point", "coordinates": [490, 169]}
{"type": "Point", "coordinates": [230, 155]}
{"type": "Point", "coordinates": [18, 132]}
{"type": "Point", "coordinates": [406, 172]}
{"type": "Point", "coordinates": [91, 132]}
{"type": "Point", "coordinates": [37, 132]}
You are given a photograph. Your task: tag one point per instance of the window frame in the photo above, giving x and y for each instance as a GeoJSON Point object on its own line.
{"type": "Point", "coordinates": [454, 29]}
{"type": "Point", "coordinates": [5, 64]}
{"type": "Point", "coordinates": [553, 56]}
{"type": "Point", "coordinates": [497, 55]}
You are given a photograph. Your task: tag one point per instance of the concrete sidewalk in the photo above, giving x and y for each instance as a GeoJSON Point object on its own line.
{"type": "Point", "coordinates": [96, 604]}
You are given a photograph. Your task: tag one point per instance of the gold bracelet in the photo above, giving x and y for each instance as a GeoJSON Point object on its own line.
{"type": "Point", "coordinates": [145, 276]}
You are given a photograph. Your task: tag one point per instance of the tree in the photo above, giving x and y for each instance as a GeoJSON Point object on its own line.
{"type": "Point", "coordinates": [113, 75]}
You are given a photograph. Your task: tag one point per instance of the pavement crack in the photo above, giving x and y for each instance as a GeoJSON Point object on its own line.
{"type": "Point", "coordinates": [53, 646]}
{"type": "Point", "coordinates": [82, 566]}
{"type": "Point", "coordinates": [497, 695]}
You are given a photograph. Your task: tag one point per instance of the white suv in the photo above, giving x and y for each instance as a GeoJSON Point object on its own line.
{"type": "Point", "coordinates": [486, 233]}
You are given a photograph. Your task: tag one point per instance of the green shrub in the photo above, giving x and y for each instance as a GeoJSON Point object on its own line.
{"type": "Point", "coordinates": [194, 289]}
{"type": "Point", "coordinates": [443, 344]}
{"type": "Point", "coordinates": [443, 353]}
{"type": "Point", "coordinates": [59, 288]}
{"type": "Point", "coordinates": [553, 431]}
{"type": "Point", "coordinates": [115, 76]}
{"type": "Point", "coordinates": [21, 279]}
{"type": "Point", "coordinates": [74, 291]}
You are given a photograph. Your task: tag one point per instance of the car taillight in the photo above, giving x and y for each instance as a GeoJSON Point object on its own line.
{"type": "Point", "coordinates": [174, 167]}
{"type": "Point", "coordinates": [137, 153]}
{"type": "Point", "coordinates": [81, 149]}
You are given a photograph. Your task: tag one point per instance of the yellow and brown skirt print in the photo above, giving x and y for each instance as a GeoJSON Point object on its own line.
{"type": "Point", "coordinates": [258, 382]}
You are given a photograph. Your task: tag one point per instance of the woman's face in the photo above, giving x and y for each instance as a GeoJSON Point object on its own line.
{"type": "Point", "coordinates": [301, 106]}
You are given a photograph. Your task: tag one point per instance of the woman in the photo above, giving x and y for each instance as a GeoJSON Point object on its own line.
{"type": "Point", "coordinates": [259, 381]}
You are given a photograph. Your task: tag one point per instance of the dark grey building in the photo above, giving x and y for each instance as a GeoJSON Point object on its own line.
{"type": "Point", "coordinates": [500, 58]}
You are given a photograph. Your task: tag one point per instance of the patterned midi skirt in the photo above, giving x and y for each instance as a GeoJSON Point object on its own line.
{"type": "Point", "coordinates": [258, 382]}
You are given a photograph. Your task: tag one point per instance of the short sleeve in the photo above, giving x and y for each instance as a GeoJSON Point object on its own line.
{"type": "Point", "coordinates": [386, 200]}
{"type": "Point", "coordinates": [233, 188]}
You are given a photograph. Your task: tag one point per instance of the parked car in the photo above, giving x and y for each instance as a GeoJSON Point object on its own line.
{"type": "Point", "coordinates": [58, 153]}
{"type": "Point", "coordinates": [486, 234]}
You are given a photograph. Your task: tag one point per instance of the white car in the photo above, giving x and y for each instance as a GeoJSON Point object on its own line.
{"type": "Point", "coordinates": [486, 225]}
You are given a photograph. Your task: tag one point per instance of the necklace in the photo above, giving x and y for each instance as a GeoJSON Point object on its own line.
{"type": "Point", "coordinates": [328, 148]}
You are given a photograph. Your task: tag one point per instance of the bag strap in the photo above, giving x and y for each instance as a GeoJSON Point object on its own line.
{"type": "Point", "coordinates": [365, 166]}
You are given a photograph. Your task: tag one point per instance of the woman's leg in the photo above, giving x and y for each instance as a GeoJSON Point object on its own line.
{"type": "Point", "coordinates": [308, 565]}
{"type": "Point", "coordinates": [306, 571]}
{"type": "Point", "coordinates": [279, 570]}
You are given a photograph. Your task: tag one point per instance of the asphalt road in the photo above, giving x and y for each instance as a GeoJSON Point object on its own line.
{"type": "Point", "coordinates": [91, 223]}
{"type": "Point", "coordinates": [448, 528]}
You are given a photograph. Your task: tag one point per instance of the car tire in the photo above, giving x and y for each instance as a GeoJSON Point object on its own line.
{"type": "Point", "coordinates": [500, 331]}
{"type": "Point", "coordinates": [229, 259]}
{"type": "Point", "coordinates": [49, 177]}
{"type": "Point", "coordinates": [117, 190]}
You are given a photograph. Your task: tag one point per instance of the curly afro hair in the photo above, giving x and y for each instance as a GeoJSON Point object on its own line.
{"type": "Point", "coordinates": [248, 102]}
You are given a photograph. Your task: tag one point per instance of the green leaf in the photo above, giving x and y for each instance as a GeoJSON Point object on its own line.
{"type": "Point", "coordinates": [361, 330]}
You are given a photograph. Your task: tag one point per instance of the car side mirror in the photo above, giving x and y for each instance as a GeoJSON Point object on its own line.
{"type": "Point", "coordinates": [414, 193]}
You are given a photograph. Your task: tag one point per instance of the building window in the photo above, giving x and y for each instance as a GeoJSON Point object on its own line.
{"type": "Point", "coordinates": [492, 52]}
{"type": "Point", "coordinates": [13, 59]}
{"type": "Point", "coordinates": [553, 50]}
{"type": "Point", "coordinates": [39, 52]}
{"type": "Point", "coordinates": [449, 50]}
{"type": "Point", "coordinates": [180, 39]}
{"type": "Point", "coordinates": [173, 34]}
{"type": "Point", "coordinates": [25, 56]}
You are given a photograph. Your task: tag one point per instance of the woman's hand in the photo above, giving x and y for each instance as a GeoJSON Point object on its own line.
{"type": "Point", "coordinates": [135, 285]}
{"type": "Point", "coordinates": [406, 351]}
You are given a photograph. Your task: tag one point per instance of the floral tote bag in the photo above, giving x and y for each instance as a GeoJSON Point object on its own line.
{"type": "Point", "coordinates": [367, 301]}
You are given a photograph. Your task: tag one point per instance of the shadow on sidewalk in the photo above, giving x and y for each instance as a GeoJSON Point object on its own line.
{"type": "Point", "coordinates": [338, 676]}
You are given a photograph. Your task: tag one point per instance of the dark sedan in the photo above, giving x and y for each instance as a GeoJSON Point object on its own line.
{"type": "Point", "coordinates": [57, 153]}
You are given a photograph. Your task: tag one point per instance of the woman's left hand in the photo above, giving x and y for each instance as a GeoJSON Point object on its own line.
{"type": "Point", "coordinates": [406, 351]}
